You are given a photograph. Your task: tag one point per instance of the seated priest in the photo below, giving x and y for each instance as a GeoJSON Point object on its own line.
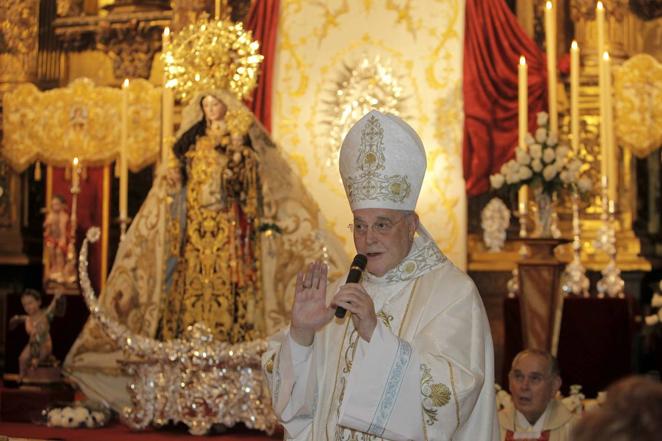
{"type": "Point", "coordinates": [413, 358]}
{"type": "Point", "coordinates": [534, 380]}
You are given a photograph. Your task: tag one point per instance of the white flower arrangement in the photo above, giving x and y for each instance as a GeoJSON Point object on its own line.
{"type": "Point", "coordinates": [76, 416]}
{"type": "Point", "coordinates": [544, 163]}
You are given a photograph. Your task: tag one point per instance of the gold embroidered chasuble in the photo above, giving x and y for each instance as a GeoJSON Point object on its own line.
{"type": "Point", "coordinates": [558, 421]}
{"type": "Point", "coordinates": [216, 275]}
{"type": "Point", "coordinates": [426, 373]}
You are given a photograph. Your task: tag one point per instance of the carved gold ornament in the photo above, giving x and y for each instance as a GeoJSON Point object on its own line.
{"type": "Point", "coordinates": [82, 121]}
{"type": "Point", "coordinates": [212, 54]}
{"type": "Point", "coordinates": [360, 87]}
{"type": "Point", "coordinates": [224, 384]}
{"type": "Point", "coordinates": [638, 104]}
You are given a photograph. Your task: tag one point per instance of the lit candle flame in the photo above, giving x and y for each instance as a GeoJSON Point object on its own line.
{"type": "Point", "coordinates": [600, 6]}
{"type": "Point", "coordinates": [125, 84]}
{"type": "Point", "coordinates": [522, 60]}
{"type": "Point", "coordinates": [574, 45]}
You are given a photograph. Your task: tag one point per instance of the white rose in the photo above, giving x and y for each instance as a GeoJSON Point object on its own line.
{"type": "Point", "coordinates": [54, 417]}
{"type": "Point", "coordinates": [99, 418]}
{"type": "Point", "coordinates": [552, 139]}
{"type": "Point", "coordinates": [562, 151]}
{"type": "Point", "coordinates": [93, 234]}
{"type": "Point", "coordinates": [525, 173]}
{"type": "Point", "coordinates": [535, 150]}
{"type": "Point", "coordinates": [536, 165]}
{"type": "Point", "coordinates": [548, 155]}
{"type": "Point", "coordinates": [509, 167]}
{"type": "Point", "coordinates": [575, 165]}
{"type": "Point", "coordinates": [497, 181]}
{"type": "Point", "coordinates": [522, 156]}
{"type": "Point", "coordinates": [585, 184]}
{"type": "Point", "coordinates": [541, 134]}
{"type": "Point", "coordinates": [529, 139]}
{"type": "Point", "coordinates": [549, 172]}
{"type": "Point", "coordinates": [80, 414]}
{"type": "Point", "coordinates": [542, 118]}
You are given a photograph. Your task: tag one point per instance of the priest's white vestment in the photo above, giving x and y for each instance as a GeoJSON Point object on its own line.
{"type": "Point", "coordinates": [426, 374]}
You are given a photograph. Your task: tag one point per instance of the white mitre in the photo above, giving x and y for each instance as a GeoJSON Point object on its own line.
{"type": "Point", "coordinates": [382, 163]}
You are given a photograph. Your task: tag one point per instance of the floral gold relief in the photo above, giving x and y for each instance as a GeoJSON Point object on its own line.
{"type": "Point", "coordinates": [414, 49]}
{"type": "Point", "coordinates": [81, 121]}
{"type": "Point", "coordinates": [638, 104]}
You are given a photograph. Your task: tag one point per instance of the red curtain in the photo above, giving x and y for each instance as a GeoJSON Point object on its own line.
{"type": "Point", "coordinates": [89, 212]}
{"type": "Point", "coordinates": [263, 22]}
{"type": "Point", "coordinates": [493, 43]}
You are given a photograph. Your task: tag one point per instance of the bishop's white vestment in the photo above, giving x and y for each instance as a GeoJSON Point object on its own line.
{"type": "Point", "coordinates": [426, 374]}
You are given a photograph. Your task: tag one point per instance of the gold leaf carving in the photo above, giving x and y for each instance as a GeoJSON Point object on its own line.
{"type": "Point", "coordinates": [80, 120]}
{"type": "Point", "coordinates": [638, 104]}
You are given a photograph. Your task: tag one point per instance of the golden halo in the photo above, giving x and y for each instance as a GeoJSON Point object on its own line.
{"type": "Point", "coordinates": [212, 54]}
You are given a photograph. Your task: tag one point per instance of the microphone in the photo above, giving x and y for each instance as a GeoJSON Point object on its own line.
{"type": "Point", "coordinates": [354, 276]}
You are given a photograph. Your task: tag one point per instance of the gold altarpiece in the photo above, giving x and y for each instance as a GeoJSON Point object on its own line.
{"type": "Point", "coordinates": [638, 126]}
{"type": "Point", "coordinates": [81, 121]}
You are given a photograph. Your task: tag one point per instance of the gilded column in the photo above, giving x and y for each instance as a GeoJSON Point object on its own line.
{"type": "Point", "coordinates": [18, 64]}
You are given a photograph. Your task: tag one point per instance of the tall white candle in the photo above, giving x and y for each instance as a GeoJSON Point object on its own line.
{"type": "Point", "coordinates": [523, 118]}
{"type": "Point", "coordinates": [550, 41]}
{"type": "Point", "coordinates": [522, 101]}
{"type": "Point", "coordinates": [600, 22]}
{"type": "Point", "coordinates": [124, 172]}
{"type": "Point", "coordinates": [75, 176]}
{"type": "Point", "coordinates": [609, 129]}
{"type": "Point", "coordinates": [603, 115]}
{"type": "Point", "coordinates": [574, 95]}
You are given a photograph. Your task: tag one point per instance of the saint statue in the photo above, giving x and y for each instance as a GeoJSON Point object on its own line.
{"type": "Point", "coordinates": [37, 325]}
{"type": "Point", "coordinates": [212, 225]}
{"type": "Point", "coordinates": [56, 227]}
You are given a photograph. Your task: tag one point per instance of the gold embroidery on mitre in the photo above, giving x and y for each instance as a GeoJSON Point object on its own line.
{"type": "Point", "coordinates": [369, 184]}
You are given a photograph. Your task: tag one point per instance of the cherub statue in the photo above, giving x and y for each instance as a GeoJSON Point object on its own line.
{"type": "Point", "coordinates": [37, 325]}
{"type": "Point", "coordinates": [55, 239]}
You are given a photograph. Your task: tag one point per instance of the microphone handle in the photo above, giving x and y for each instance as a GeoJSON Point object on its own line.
{"type": "Point", "coordinates": [354, 276]}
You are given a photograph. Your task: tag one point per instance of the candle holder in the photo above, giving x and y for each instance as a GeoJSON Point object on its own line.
{"type": "Point", "coordinates": [611, 284]}
{"type": "Point", "coordinates": [71, 276]}
{"type": "Point", "coordinates": [522, 215]}
{"type": "Point", "coordinates": [574, 280]}
{"type": "Point", "coordinates": [123, 222]}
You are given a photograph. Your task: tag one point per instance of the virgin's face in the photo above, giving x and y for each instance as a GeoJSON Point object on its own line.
{"type": "Point", "coordinates": [213, 108]}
